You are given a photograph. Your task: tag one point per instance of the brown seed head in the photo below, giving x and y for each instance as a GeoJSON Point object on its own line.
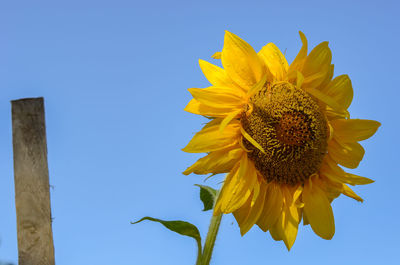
{"type": "Point", "coordinates": [291, 129]}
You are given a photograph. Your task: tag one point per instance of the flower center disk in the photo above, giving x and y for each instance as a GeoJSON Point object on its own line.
{"type": "Point", "coordinates": [289, 126]}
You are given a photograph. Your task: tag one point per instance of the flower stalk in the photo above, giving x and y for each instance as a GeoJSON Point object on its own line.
{"type": "Point", "coordinates": [210, 239]}
{"type": "Point", "coordinates": [211, 234]}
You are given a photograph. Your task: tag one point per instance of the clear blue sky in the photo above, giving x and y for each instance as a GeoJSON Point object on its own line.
{"type": "Point", "coordinates": [114, 76]}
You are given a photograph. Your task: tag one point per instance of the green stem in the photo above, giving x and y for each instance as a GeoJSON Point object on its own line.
{"type": "Point", "coordinates": [210, 239]}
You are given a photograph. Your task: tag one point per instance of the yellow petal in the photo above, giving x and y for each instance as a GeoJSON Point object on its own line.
{"type": "Point", "coordinates": [333, 114]}
{"type": "Point", "coordinates": [292, 226]}
{"type": "Point", "coordinates": [272, 207]}
{"type": "Point", "coordinates": [291, 220]}
{"type": "Point", "coordinates": [216, 55]}
{"type": "Point", "coordinates": [347, 154]}
{"type": "Point", "coordinates": [275, 61]}
{"type": "Point", "coordinates": [318, 210]}
{"type": "Point", "coordinates": [218, 97]}
{"type": "Point", "coordinates": [257, 87]}
{"type": "Point", "coordinates": [305, 219]}
{"type": "Point", "coordinates": [335, 173]}
{"type": "Point", "coordinates": [328, 77]}
{"type": "Point", "coordinates": [211, 139]}
{"type": "Point", "coordinates": [297, 64]}
{"type": "Point", "coordinates": [216, 75]}
{"type": "Point", "coordinates": [297, 191]}
{"type": "Point", "coordinates": [229, 118]}
{"type": "Point", "coordinates": [350, 193]}
{"type": "Point", "coordinates": [242, 213]}
{"type": "Point", "coordinates": [251, 140]}
{"type": "Point", "coordinates": [238, 186]}
{"type": "Point", "coordinates": [354, 129]}
{"type": "Point", "coordinates": [341, 90]}
{"type": "Point", "coordinates": [224, 192]}
{"type": "Point", "coordinates": [256, 190]}
{"type": "Point", "coordinates": [325, 99]}
{"type": "Point", "coordinates": [255, 211]}
{"type": "Point", "coordinates": [216, 162]}
{"type": "Point", "coordinates": [296, 78]}
{"type": "Point", "coordinates": [195, 107]}
{"type": "Point", "coordinates": [276, 230]}
{"type": "Point", "coordinates": [356, 180]}
{"type": "Point", "coordinates": [241, 62]}
{"type": "Point", "coordinates": [317, 65]}
{"type": "Point", "coordinates": [299, 79]}
{"type": "Point", "coordinates": [286, 227]}
{"type": "Point", "coordinates": [332, 189]}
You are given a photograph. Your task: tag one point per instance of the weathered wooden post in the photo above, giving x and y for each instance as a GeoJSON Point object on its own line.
{"type": "Point", "coordinates": [31, 176]}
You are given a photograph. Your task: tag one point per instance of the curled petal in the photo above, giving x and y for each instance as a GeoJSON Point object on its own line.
{"type": "Point", "coordinates": [297, 64]}
{"type": "Point", "coordinates": [216, 55]}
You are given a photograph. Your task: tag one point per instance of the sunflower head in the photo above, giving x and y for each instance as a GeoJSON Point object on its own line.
{"type": "Point", "coordinates": [291, 129]}
{"type": "Point", "coordinates": [280, 131]}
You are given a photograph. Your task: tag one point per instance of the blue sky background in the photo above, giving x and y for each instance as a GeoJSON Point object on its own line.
{"type": "Point", "coordinates": [114, 76]}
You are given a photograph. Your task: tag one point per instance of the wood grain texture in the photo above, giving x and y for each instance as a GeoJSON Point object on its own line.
{"type": "Point", "coordinates": [31, 177]}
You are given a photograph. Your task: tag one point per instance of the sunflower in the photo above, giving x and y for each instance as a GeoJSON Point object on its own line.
{"type": "Point", "coordinates": [280, 131]}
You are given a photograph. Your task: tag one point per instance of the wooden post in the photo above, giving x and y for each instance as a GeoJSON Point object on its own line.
{"type": "Point", "coordinates": [31, 177]}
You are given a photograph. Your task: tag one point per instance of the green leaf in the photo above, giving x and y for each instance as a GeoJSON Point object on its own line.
{"type": "Point", "coordinates": [207, 196]}
{"type": "Point", "coordinates": [180, 227]}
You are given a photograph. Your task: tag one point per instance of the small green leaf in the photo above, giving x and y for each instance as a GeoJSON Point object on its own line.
{"type": "Point", "coordinates": [207, 196]}
{"type": "Point", "coordinates": [180, 227]}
